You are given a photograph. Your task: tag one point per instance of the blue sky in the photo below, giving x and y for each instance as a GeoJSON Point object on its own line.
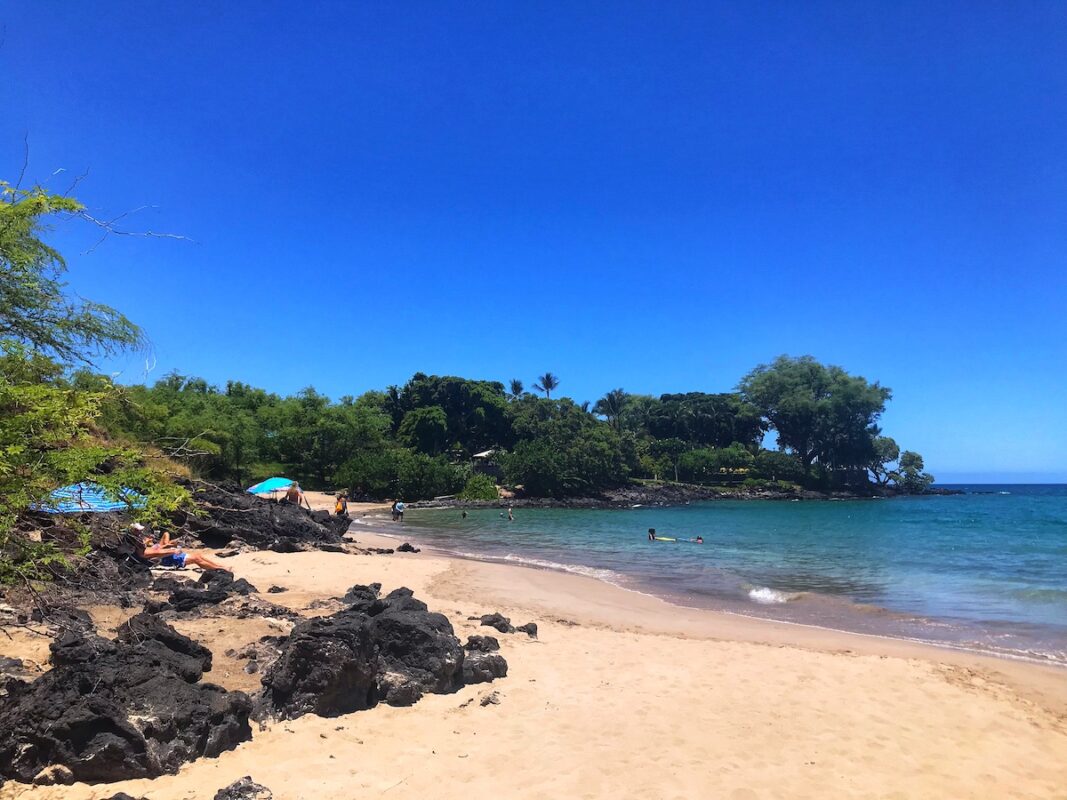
{"type": "Point", "coordinates": [646, 195]}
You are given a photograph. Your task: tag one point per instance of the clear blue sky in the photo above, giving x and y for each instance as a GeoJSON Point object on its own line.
{"type": "Point", "coordinates": [653, 196]}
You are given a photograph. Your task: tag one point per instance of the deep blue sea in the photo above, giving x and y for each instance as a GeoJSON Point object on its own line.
{"type": "Point", "coordinates": [986, 569]}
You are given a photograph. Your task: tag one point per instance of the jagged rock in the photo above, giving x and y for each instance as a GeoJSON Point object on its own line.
{"type": "Point", "coordinates": [362, 595]}
{"type": "Point", "coordinates": [330, 547]}
{"type": "Point", "coordinates": [530, 629]}
{"type": "Point", "coordinates": [390, 649]}
{"type": "Point", "coordinates": [65, 619]}
{"type": "Point", "coordinates": [498, 621]}
{"type": "Point", "coordinates": [407, 548]}
{"type": "Point", "coordinates": [128, 708]}
{"type": "Point", "coordinates": [55, 775]}
{"type": "Point", "coordinates": [327, 667]}
{"type": "Point", "coordinates": [229, 514]}
{"type": "Point", "coordinates": [244, 789]}
{"type": "Point", "coordinates": [276, 590]}
{"type": "Point", "coordinates": [418, 650]}
{"type": "Point", "coordinates": [184, 600]}
{"type": "Point", "coordinates": [224, 580]}
{"type": "Point", "coordinates": [484, 644]}
{"type": "Point", "coordinates": [15, 668]}
{"type": "Point", "coordinates": [481, 667]}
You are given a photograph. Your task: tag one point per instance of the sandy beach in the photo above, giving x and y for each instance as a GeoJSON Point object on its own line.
{"type": "Point", "coordinates": [624, 695]}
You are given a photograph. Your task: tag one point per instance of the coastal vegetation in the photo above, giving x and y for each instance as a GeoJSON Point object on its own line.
{"type": "Point", "coordinates": [61, 421]}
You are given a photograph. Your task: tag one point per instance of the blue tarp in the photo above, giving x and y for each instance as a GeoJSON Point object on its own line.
{"type": "Point", "coordinates": [86, 496]}
{"type": "Point", "coordinates": [270, 485]}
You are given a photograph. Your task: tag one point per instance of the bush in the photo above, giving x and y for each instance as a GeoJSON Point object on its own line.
{"type": "Point", "coordinates": [776, 465]}
{"type": "Point", "coordinates": [398, 472]}
{"type": "Point", "coordinates": [479, 487]}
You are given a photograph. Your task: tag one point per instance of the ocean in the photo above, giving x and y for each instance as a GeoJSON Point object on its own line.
{"type": "Point", "coordinates": [984, 570]}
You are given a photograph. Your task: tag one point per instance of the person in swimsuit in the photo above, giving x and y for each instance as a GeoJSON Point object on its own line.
{"type": "Point", "coordinates": [652, 534]}
{"type": "Point", "coordinates": [294, 496]}
{"type": "Point", "coordinates": [171, 555]}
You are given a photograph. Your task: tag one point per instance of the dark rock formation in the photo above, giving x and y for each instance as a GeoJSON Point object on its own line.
{"type": "Point", "coordinates": [111, 710]}
{"type": "Point", "coordinates": [244, 789]}
{"type": "Point", "coordinates": [390, 649]}
{"type": "Point", "coordinates": [530, 629]}
{"type": "Point", "coordinates": [484, 644]}
{"type": "Point", "coordinates": [227, 513]}
{"type": "Point", "coordinates": [276, 590]}
{"type": "Point", "coordinates": [498, 621]}
{"type": "Point", "coordinates": [223, 579]}
{"type": "Point", "coordinates": [407, 548]}
{"type": "Point", "coordinates": [214, 586]}
{"type": "Point", "coordinates": [482, 667]}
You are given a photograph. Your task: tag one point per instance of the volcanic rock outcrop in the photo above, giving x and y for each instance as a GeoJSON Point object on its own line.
{"type": "Point", "coordinates": [111, 710]}
{"type": "Point", "coordinates": [390, 650]}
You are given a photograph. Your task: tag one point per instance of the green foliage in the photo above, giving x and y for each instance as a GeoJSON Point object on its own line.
{"type": "Point", "coordinates": [425, 429]}
{"type": "Point", "coordinates": [884, 452]}
{"type": "Point", "coordinates": [48, 439]}
{"type": "Point", "coordinates": [821, 413]}
{"type": "Point", "coordinates": [562, 450]}
{"type": "Point", "coordinates": [399, 473]}
{"type": "Point", "coordinates": [479, 487]}
{"type": "Point", "coordinates": [547, 383]}
{"type": "Point", "coordinates": [34, 307]}
{"type": "Point", "coordinates": [708, 464]}
{"type": "Point", "coordinates": [910, 476]}
{"type": "Point", "coordinates": [776, 465]}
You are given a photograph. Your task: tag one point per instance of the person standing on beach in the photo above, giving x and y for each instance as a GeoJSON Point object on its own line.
{"type": "Point", "coordinates": [340, 508]}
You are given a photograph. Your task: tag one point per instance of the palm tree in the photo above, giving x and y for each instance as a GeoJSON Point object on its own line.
{"type": "Point", "coordinates": [516, 387]}
{"type": "Point", "coordinates": [585, 406]}
{"type": "Point", "coordinates": [611, 406]}
{"type": "Point", "coordinates": [546, 383]}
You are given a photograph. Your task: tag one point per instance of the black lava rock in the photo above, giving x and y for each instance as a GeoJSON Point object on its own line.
{"type": "Point", "coordinates": [407, 548]}
{"type": "Point", "coordinates": [390, 649]}
{"type": "Point", "coordinates": [498, 621]}
{"type": "Point", "coordinates": [484, 644]}
{"type": "Point", "coordinates": [112, 710]}
{"type": "Point", "coordinates": [244, 789]}
{"type": "Point", "coordinates": [530, 629]}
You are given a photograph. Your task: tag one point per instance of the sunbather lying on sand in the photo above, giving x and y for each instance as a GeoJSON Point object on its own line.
{"type": "Point", "coordinates": [171, 555]}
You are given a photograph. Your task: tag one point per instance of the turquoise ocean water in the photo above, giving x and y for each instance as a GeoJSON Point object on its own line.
{"type": "Point", "coordinates": [983, 570]}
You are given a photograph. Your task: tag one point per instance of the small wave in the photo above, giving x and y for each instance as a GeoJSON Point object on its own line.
{"type": "Point", "coordinates": [766, 596]}
{"type": "Point", "coordinates": [577, 569]}
{"type": "Point", "coordinates": [1003, 492]}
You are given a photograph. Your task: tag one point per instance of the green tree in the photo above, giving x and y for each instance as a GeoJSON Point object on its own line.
{"type": "Point", "coordinates": [910, 476]}
{"type": "Point", "coordinates": [425, 429]}
{"type": "Point", "coordinates": [885, 452]}
{"type": "Point", "coordinates": [821, 413]}
{"type": "Point", "coordinates": [670, 450]}
{"type": "Point", "coordinates": [611, 406]}
{"type": "Point", "coordinates": [547, 383]}
{"type": "Point", "coordinates": [516, 387]}
{"type": "Point", "coordinates": [776, 465]}
{"type": "Point", "coordinates": [35, 308]}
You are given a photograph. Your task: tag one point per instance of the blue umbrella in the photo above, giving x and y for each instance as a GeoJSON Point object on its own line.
{"type": "Point", "coordinates": [270, 485]}
{"type": "Point", "coordinates": [91, 497]}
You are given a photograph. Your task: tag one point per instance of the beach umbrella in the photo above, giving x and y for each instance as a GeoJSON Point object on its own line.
{"type": "Point", "coordinates": [92, 497]}
{"type": "Point", "coordinates": [270, 485]}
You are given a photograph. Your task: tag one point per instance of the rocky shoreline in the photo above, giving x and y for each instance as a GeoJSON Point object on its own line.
{"type": "Point", "coordinates": [673, 494]}
{"type": "Point", "coordinates": [136, 701]}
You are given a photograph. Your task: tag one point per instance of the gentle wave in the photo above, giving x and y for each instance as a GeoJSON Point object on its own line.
{"type": "Point", "coordinates": [766, 596]}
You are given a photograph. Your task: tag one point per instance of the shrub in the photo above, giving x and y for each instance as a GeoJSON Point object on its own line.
{"type": "Point", "coordinates": [479, 487]}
